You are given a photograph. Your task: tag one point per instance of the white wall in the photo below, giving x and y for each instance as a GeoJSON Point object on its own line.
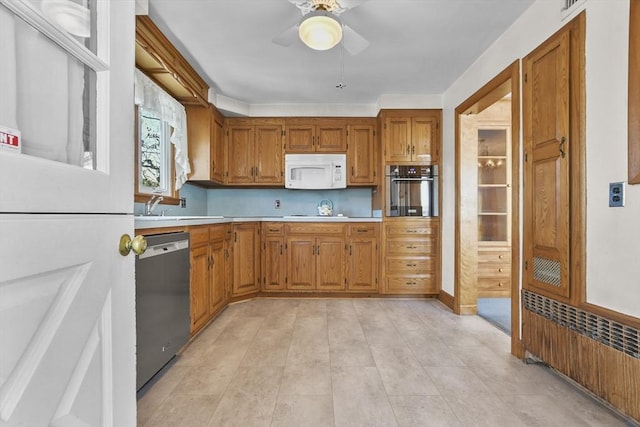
{"type": "Point", "coordinates": [613, 251]}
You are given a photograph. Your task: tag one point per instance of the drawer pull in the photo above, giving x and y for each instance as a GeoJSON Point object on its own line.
{"type": "Point", "coordinates": [412, 231]}
{"type": "Point", "coordinates": [500, 270]}
{"type": "Point", "coordinates": [411, 283]}
{"type": "Point", "coordinates": [500, 284]}
{"type": "Point", "coordinates": [500, 256]}
{"type": "Point", "coordinates": [362, 230]}
{"type": "Point", "coordinates": [274, 230]}
{"type": "Point", "coordinates": [411, 247]}
{"type": "Point", "coordinates": [411, 265]}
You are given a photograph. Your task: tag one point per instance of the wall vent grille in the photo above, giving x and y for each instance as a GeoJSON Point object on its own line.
{"type": "Point", "coordinates": [546, 271]}
{"type": "Point", "coordinates": [612, 334]}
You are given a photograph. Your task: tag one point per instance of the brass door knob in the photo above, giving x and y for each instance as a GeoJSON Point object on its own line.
{"type": "Point", "coordinates": [138, 245]}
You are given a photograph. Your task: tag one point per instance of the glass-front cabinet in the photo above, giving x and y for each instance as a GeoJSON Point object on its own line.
{"type": "Point", "coordinates": [494, 185]}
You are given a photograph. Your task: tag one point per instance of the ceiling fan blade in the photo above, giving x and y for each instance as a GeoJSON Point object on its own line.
{"type": "Point", "coordinates": [287, 37]}
{"type": "Point", "coordinates": [350, 4]}
{"type": "Point", "coordinates": [353, 42]}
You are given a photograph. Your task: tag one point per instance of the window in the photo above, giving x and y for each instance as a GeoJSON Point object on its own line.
{"type": "Point", "coordinates": [154, 154]}
{"type": "Point", "coordinates": [162, 162]}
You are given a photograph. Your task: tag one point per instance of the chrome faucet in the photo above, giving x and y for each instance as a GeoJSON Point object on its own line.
{"type": "Point", "coordinates": [152, 203]}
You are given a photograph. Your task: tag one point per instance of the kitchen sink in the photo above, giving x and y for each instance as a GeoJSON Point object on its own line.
{"type": "Point", "coordinates": [174, 218]}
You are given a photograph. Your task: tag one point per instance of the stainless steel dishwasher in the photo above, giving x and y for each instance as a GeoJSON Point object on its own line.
{"type": "Point", "coordinates": [162, 302]}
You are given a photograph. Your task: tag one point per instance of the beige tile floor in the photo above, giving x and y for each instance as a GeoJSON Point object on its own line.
{"type": "Point", "coordinates": [358, 362]}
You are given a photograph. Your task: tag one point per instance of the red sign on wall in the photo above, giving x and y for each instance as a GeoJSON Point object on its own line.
{"type": "Point", "coordinates": [10, 139]}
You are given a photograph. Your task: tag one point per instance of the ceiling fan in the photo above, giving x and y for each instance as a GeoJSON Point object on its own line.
{"type": "Point", "coordinates": [321, 27]}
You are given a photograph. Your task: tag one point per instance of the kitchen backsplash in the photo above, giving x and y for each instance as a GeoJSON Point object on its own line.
{"type": "Point", "coordinates": [242, 202]}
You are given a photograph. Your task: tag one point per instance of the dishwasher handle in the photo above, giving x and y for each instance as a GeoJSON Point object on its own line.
{"type": "Point", "coordinates": [164, 248]}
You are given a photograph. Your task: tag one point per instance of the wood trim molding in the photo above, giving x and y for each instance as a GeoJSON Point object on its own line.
{"type": "Point", "coordinates": [634, 92]}
{"type": "Point", "coordinates": [506, 81]}
{"type": "Point", "coordinates": [446, 299]}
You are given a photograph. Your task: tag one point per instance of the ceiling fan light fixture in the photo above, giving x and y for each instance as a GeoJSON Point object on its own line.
{"type": "Point", "coordinates": [320, 30]}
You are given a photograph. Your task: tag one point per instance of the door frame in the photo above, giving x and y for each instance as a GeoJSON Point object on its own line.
{"type": "Point", "coordinates": [507, 81]}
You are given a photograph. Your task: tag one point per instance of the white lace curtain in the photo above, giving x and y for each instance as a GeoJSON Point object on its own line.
{"type": "Point", "coordinates": [151, 97]}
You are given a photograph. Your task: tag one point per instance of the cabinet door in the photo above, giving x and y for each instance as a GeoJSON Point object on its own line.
{"type": "Point", "coordinates": [246, 257]}
{"type": "Point", "coordinates": [273, 267]}
{"type": "Point", "coordinates": [397, 138]}
{"type": "Point", "coordinates": [423, 133]}
{"type": "Point", "coordinates": [361, 155]}
{"type": "Point", "coordinates": [299, 138]}
{"type": "Point", "coordinates": [199, 287]}
{"type": "Point", "coordinates": [216, 276]}
{"type": "Point", "coordinates": [301, 263]}
{"type": "Point", "coordinates": [363, 265]}
{"type": "Point", "coordinates": [331, 137]}
{"type": "Point", "coordinates": [330, 259]}
{"type": "Point", "coordinates": [217, 150]}
{"type": "Point", "coordinates": [547, 190]}
{"type": "Point", "coordinates": [268, 154]}
{"type": "Point", "coordinates": [240, 154]}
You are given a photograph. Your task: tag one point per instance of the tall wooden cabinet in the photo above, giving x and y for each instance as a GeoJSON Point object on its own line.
{"type": "Point", "coordinates": [254, 151]}
{"type": "Point", "coordinates": [273, 256]}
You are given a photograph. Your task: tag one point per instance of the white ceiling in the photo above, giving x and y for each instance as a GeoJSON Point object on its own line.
{"type": "Point", "coordinates": [418, 47]}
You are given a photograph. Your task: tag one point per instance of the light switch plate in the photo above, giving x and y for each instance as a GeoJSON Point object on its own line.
{"type": "Point", "coordinates": [616, 194]}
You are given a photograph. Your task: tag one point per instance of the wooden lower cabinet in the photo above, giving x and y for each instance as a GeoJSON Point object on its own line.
{"type": "Point", "coordinates": [363, 271]}
{"type": "Point", "coordinates": [209, 266]}
{"type": "Point", "coordinates": [273, 258]}
{"type": "Point", "coordinates": [246, 258]}
{"type": "Point", "coordinates": [410, 256]}
{"type": "Point", "coordinates": [494, 272]}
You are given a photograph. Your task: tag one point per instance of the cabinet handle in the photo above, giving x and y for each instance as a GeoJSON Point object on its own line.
{"type": "Point", "coordinates": [411, 265]}
{"type": "Point", "coordinates": [362, 230]}
{"type": "Point", "coordinates": [280, 249]}
{"type": "Point", "coordinates": [500, 256]}
{"type": "Point", "coordinates": [412, 231]}
{"type": "Point", "coordinates": [410, 283]}
{"type": "Point", "coordinates": [408, 149]}
{"type": "Point", "coordinates": [411, 247]}
{"type": "Point", "coordinates": [313, 250]}
{"type": "Point", "coordinates": [352, 173]}
{"type": "Point", "coordinates": [273, 230]}
{"type": "Point", "coordinates": [413, 149]}
{"type": "Point", "coordinates": [500, 284]}
{"type": "Point", "coordinates": [318, 250]}
{"type": "Point", "coordinates": [500, 270]}
{"type": "Point", "coordinates": [349, 249]}
{"type": "Point", "coordinates": [562, 143]}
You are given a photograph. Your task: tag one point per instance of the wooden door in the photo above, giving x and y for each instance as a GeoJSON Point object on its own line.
{"type": "Point", "coordinates": [546, 189]}
{"type": "Point", "coordinates": [363, 265]}
{"type": "Point", "coordinates": [216, 276]}
{"type": "Point", "coordinates": [217, 148]}
{"type": "Point", "coordinates": [268, 154]}
{"type": "Point", "coordinates": [301, 263]}
{"type": "Point", "coordinates": [200, 286]}
{"type": "Point", "coordinates": [361, 155]}
{"type": "Point", "coordinates": [246, 258]}
{"type": "Point", "coordinates": [273, 268]}
{"type": "Point", "coordinates": [67, 297]}
{"type": "Point", "coordinates": [299, 138]}
{"type": "Point", "coordinates": [240, 154]}
{"type": "Point", "coordinates": [397, 139]}
{"type": "Point", "coordinates": [331, 137]}
{"type": "Point", "coordinates": [330, 268]}
{"type": "Point", "coordinates": [423, 131]}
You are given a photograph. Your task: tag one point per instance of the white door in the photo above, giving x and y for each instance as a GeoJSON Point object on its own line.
{"type": "Point", "coordinates": [67, 309]}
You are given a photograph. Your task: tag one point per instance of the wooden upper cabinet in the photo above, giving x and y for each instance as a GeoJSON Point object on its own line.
{"type": "Point", "coordinates": [411, 136]}
{"type": "Point", "coordinates": [205, 132]}
{"type": "Point", "coordinates": [163, 63]}
{"type": "Point", "coordinates": [361, 154]}
{"type": "Point", "coordinates": [310, 135]}
{"type": "Point", "coordinates": [254, 152]}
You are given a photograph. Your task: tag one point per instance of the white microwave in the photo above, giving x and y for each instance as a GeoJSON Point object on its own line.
{"type": "Point", "coordinates": [315, 171]}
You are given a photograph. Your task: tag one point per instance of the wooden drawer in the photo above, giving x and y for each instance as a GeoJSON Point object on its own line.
{"type": "Point", "coordinates": [494, 287]}
{"type": "Point", "coordinates": [315, 228]}
{"type": "Point", "coordinates": [273, 228]}
{"type": "Point", "coordinates": [199, 235]}
{"type": "Point", "coordinates": [217, 232]}
{"type": "Point", "coordinates": [420, 247]}
{"type": "Point", "coordinates": [502, 256]}
{"type": "Point", "coordinates": [410, 230]}
{"type": "Point", "coordinates": [411, 285]}
{"type": "Point", "coordinates": [490, 270]}
{"type": "Point", "coordinates": [409, 265]}
{"type": "Point", "coordinates": [363, 230]}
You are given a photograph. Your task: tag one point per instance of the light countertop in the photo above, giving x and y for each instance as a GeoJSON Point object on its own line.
{"type": "Point", "coordinates": [142, 222]}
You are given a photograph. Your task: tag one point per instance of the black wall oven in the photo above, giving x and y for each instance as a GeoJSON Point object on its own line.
{"type": "Point", "coordinates": [412, 190]}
